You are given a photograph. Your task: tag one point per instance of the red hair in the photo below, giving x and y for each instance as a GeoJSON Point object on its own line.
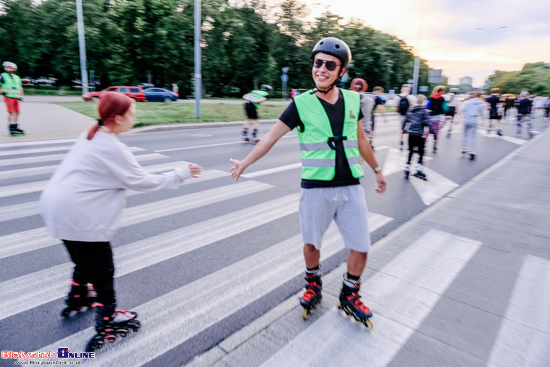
{"type": "Point", "coordinates": [110, 105]}
{"type": "Point", "coordinates": [361, 83]}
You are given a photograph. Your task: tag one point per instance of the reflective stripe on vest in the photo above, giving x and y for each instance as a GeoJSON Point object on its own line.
{"type": "Point", "coordinates": [12, 85]}
{"type": "Point", "coordinates": [317, 149]}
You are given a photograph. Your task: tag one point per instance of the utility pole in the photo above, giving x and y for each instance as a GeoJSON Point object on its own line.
{"type": "Point", "coordinates": [198, 76]}
{"type": "Point", "coordinates": [415, 74]}
{"type": "Point", "coordinates": [82, 48]}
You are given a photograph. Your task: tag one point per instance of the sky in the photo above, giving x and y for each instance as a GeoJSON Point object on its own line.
{"type": "Point", "coordinates": [446, 34]}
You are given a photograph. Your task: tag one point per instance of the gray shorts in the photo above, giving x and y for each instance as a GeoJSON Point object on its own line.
{"type": "Point", "coordinates": [346, 205]}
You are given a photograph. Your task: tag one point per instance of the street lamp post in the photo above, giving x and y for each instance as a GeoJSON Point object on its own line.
{"type": "Point", "coordinates": [490, 39]}
{"type": "Point", "coordinates": [198, 76]}
{"type": "Point", "coordinates": [82, 47]}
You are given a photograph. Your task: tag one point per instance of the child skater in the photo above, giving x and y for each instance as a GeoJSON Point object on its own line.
{"type": "Point", "coordinates": [82, 205]}
{"type": "Point", "coordinates": [414, 123]}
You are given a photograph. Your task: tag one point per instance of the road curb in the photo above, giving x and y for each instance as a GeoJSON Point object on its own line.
{"type": "Point", "coordinates": [189, 126]}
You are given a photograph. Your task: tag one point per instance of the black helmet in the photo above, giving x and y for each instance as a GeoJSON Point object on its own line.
{"type": "Point", "coordinates": [335, 47]}
{"type": "Point", "coordinates": [266, 88]}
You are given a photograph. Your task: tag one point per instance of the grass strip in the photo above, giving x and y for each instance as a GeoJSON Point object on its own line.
{"type": "Point", "coordinates": [150, 113]}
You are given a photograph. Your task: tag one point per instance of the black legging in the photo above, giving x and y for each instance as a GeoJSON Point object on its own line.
{"type": "Point", "coordinates": [416, 141]}
{"type": "Point", "coordinates": [94, 264]}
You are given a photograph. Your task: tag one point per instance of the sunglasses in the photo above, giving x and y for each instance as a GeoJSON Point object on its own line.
{"type": "Point", "coordinates": [330, 65]}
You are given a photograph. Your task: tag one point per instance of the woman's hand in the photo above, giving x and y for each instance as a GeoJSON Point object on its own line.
{"type": "Point", "coordinates": [196, 170]}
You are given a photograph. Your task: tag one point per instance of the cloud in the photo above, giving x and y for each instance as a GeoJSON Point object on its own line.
{"type": "Point", "coordinates": [524, 21]}
{"type": "Point", "coordinates": [445, 33]}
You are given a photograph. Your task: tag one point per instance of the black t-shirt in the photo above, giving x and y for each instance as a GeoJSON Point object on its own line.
{"type": "Point", "coordinates": [493, 102]}
{"type": "Point", "coordinates": [335, 113]}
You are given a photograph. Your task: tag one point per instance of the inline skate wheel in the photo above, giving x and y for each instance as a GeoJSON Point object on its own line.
{"type": "Point", "coordinates": [367, 324]}
{"type": "Point", "coordinates": [110, 338]}
{"type": "Point", "coordinates": [95, 344]}
{"type": "Point", "coordinates": [305, 312]}
{"type": "Point", "coordinates": [135, 325]}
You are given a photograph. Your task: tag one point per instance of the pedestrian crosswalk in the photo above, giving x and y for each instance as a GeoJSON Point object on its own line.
{"type": "Point", "coordinates": [401, 295]}
{"type": "Point", "coordinates": [404, 291]}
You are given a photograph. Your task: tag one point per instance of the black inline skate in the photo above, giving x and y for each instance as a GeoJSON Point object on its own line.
{"type": "Point", "coordinates": [80, 297]}
{"type": "Point", "coordinates": [15, 130]}
{"type": "Point", "coordinates": [110, 323]}
{"type": "Point", "coordinates": [313, 294]}
{"type": "Point", "coordinates": [407, 171]}
{"type": "Point", "coordinates": [351, 305]}
{"type": "Point", "coordinates": [419, 174]}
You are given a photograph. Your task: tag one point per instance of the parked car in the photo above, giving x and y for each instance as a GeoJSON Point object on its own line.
{"type": "Point", "coordinates": [160, 95]}
{"type": "Point", "coordinates": [146, 85]}
{"type": "Point", "coordinates": [136, 93]}
{"type": "Point", "coordinates": [45, 81]}
{"type": "Point", "coordinates": [27, 80]}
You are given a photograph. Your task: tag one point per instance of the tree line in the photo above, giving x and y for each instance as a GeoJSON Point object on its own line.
{"type": "Point", "coordinates": [244, 43]}
{"type": "Point", "coordinates": [533, 77]}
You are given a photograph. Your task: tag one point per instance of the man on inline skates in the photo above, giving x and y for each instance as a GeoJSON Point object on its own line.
{"type": "Point", "coordinates": [332, 139]}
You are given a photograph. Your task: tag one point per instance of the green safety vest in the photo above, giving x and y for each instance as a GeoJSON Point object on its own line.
{"type": "Point", "coordinates": [259, 94]}
{"type": "Point", "coordinates": [12, 85]}
{"type": "Point", "coordinates": [317, 141]}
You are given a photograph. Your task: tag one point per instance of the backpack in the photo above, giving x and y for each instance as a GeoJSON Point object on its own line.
{"type": "Point", "coordinates": [403, 105]}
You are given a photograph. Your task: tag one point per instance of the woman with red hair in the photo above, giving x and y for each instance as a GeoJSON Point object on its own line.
{"type": "Point", "coordinates": [82, 205]}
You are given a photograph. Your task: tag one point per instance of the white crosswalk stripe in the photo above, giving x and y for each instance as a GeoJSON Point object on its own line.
{"type": "Point", "coordinates": [401, 295]}
{"type": "Point", "coordinates": [39, 186]}
{"type": "Point", "coordinates": [4, 153]}
{"type": "Point", "coordinates": [24, 172]}
{"type": "Point", "coordinates": [524, 335]}
{"type": "Point", "coordinates": [504, 137]}
{"type": "Point", "coordinates": [33, 208]}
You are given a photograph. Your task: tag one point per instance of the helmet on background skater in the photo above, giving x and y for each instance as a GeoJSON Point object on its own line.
{"type": "Point", "coordinates": [454, 90]}
{"type": "Point", "coordinates": [266, 88]}
{"type": "Point", "coordinates": [335, 47]}
{"type": "Point", "coordinates": [9, 64]}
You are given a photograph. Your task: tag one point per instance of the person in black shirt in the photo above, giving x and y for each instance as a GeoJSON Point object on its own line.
{"type": "Point", "coordinates": [494, 110]}
{"type": "Point", "coordinates": [525, 106]}
{"type": "Point", "coordinates": [331, 140]}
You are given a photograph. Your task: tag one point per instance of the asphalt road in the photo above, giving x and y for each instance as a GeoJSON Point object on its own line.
{"type": "Point", "coordinates": [177, 250]}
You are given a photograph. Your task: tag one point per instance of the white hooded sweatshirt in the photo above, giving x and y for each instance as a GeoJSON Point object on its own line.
{"type": "Point", "coordinates": [83, 200]}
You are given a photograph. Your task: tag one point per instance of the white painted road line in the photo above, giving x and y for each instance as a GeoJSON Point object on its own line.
{"type": "Point", "coordinates": [524, 335]}
{"type": "Point", "coordinates": [435, 188]}
{"type": "Point", "coordinates": [212, 145]}
{"type": "Point", "coordinates": [19, 210]}
{"type": "Point", "coordinates": [396, 160]}
{"type": "Point", "coordinates": [504, 137]}
{"type": "Point", "coordinates": [4, 153]}
{"type": "Point", "coordinates": [173, 318]}
{"type": "Point", "coordinates": [38, 159]}
{"type": "Point", "coordinates": [34, 239]}
{"type": "Point", "coordinates": [33, 207]}
{"type": "Point", "coordinates": [401, 296]}
{"type": "Point", "coordinates": [272, 170]}
{"type": "Point", "coordinates": [43, 286]}
{"type": "Point", "coordinates": [38, 142]}
{"type": "Point", "coordinates": [24, 172]}
{"type": "Point", "coordinates": [40, 185]}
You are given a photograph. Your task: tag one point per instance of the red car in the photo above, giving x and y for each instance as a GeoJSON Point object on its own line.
{"type": "Point", "coordinates": [136, 93]}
